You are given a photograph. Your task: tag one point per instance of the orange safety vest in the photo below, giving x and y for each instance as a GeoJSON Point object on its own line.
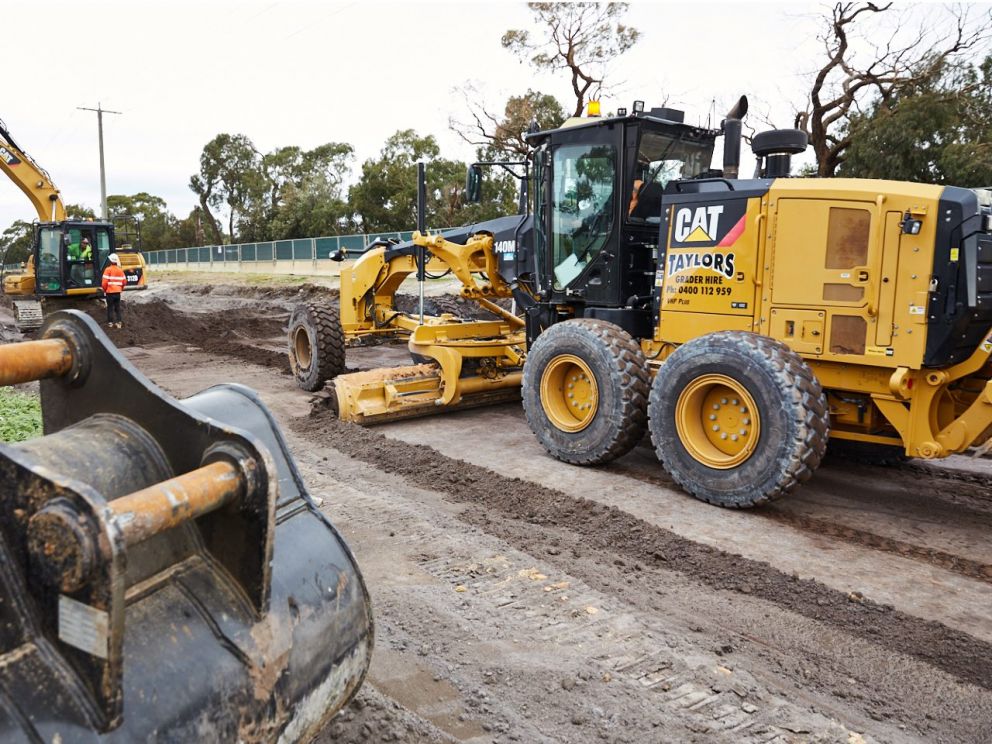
{"type": "Point", "coordinates": [113, 279]}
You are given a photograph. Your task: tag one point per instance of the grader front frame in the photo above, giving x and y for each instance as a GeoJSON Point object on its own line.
{"type": "Point", "coordinates": [463, 363]}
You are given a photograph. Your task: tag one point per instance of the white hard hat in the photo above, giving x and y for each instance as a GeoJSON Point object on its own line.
{"type": "Point", "coordinates": [114, 259]}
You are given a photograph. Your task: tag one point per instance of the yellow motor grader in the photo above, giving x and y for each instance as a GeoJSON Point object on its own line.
{"type": "Point", "coordinates": [742, 321]}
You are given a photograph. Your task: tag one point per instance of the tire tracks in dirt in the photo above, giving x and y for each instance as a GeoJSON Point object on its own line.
{"type": "Point", "coordinates": [610, 529]}
{"type": "Point", "coordinates": [855, 536]}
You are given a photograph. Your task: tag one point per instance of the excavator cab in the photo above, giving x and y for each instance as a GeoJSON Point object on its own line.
{"type": "Point", "coordinates": [70, 256]}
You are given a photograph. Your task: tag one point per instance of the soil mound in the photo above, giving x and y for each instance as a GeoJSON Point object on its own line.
{"type": "Point", "coordinates": [235, 332]}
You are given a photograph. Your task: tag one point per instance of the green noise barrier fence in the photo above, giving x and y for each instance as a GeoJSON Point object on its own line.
{"type": "Point", "coordinates": [300, 249]}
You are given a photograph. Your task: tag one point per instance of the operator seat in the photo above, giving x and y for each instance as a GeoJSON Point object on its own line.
{"type": "Point", "coordinates": [648, 202]}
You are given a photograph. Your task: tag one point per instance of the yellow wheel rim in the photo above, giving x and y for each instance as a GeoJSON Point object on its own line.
{"type": "Point", "coordinates": [301, 347]}
{"type": "Point", "coordinates": [717, 421]}
{"type": "Point", "coordinates": [569, 394]}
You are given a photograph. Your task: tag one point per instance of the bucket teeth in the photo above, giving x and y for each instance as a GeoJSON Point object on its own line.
{"type": "Point", "coordinates": [27, 315]}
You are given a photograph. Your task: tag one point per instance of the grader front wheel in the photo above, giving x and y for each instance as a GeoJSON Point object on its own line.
{"type": "Point", "coordinates": [316, 345]}
{"type": "Point", "coordinates": [738, 419]}
{"type": "Point", "coordinates": [585, 388]}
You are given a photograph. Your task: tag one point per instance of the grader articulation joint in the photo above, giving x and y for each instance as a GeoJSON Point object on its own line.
{"type": "Point", "coordinates": [165, 573]}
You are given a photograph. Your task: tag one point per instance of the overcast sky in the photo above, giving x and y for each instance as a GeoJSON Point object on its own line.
{"type": "Point", "coordinates": [287, 72]}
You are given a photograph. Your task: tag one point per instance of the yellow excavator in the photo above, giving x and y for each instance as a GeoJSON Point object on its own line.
{"type": "Point", "coordinates": [743, 322]}
{"type": "Point", "coordinates": [67, 256]}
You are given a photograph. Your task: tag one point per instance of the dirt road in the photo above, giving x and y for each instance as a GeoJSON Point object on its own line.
{"type": "Point", "coordinates": [520, 599]}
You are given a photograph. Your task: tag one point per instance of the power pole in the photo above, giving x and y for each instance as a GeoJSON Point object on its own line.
{"type": "Point", "coordinates": [100, 111]}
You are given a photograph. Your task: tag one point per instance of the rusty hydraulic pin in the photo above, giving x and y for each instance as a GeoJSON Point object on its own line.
{"type": "Point", "coordinates": [33, 360]}
{"type": "Point", "coordinates": [168, 504]}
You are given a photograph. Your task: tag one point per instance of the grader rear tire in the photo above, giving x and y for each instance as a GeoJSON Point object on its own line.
{"type": "Point", "coordinates": [585, 390]}
{"type": "Point", "coordinates": [316, 345]}
{"type": "Point", "coordinates": [738, 419]}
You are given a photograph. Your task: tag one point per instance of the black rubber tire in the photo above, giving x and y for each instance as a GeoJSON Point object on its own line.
{"type": "Point", "coordinates": [622, 382]}
{"type": "Point", "coordinates": [441, 305]}
{"type": "Point", "coordinates": [795, 419]}
{"type": "Point", "coordinates": [322, 325]}
{"type": "Point", "coordinates": [868, 453]}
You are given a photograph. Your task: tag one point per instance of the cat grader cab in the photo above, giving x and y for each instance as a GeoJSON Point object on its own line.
{"type": "Point", "coordinates": [67, 256]}
{"type": "Point", "coordinates": [742, 321]}
{"type": "Point", "coordinates": [164, 574]}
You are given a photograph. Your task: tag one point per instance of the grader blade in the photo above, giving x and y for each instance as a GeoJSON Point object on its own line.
{"type": "Point", "coordinates": [165, 574]}
{"type": "Point", "coordinates": [390, 394]}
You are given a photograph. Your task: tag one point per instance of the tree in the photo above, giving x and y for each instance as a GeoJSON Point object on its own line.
{"type": "Point", "coordinates": [190, 231]}
{"type": "Point", "coordinates": [157, 224]}
{"type": "Point", "coordinates": [936, 130]}
{"type": "Point", "coordinates": [851, 77]}
{"type": "Point", "coordinates": [502, 137]}
{"type": "Point", "coordinates": [230, 174]}
{"type": "Point", "coordinates": [304, 194]}
{"type": "Point", "coordinates": [314, 207]}
{"type": "Point", "coordinates": [582, 38]}
{"type": "Point", "coordinates": [79, 212]}
{"type": "Point", "coordinates": [385, 197]}
{"type": "Point", "coordinates": [16, 242]}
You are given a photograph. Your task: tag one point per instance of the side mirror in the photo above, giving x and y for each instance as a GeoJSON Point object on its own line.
{"type": "Point", "coordinates": [473, 185]}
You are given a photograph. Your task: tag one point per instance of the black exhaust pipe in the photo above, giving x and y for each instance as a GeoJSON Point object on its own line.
{"type": "Point", "coordinates": [732, 130]}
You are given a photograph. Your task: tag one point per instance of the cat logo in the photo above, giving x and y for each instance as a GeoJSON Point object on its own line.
{"type": "Point", "coordinates": [699, 225]}
{"type": "Point", "coordinates": [8, 157]}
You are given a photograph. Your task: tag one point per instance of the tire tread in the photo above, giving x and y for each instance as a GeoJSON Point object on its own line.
{"type": "Point", "coordinates": [635, 386]}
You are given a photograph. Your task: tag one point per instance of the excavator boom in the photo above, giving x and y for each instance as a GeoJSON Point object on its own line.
{"type": "Point", "coordinates": [30, 178]}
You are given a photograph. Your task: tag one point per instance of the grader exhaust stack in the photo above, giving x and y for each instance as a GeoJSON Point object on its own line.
{"type": "Point", "coordinates": [165, 571]}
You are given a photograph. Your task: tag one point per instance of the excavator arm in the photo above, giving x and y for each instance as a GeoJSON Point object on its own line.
{"type": "Point", "coordinates": [30, 178]}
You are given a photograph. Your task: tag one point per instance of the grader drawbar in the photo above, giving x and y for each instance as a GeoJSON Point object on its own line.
{"type": "Point", "coordinates": [164, 574]}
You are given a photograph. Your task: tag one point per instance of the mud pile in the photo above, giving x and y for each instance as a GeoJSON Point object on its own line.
{"type": "Point", "coordinates": [235, 332]}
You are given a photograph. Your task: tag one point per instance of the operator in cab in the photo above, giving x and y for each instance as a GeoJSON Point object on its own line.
{"type": "Point", "coordinates": [113, 286]}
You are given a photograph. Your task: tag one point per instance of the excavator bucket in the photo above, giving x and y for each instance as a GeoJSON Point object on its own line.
{"type": "Point", "coordinates": [164, 574]}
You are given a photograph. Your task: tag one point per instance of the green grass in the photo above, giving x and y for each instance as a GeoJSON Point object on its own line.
{"type": "Point", "coordinates": [20, 416]}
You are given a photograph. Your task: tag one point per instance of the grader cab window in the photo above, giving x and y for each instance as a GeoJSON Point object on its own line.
{"type": "Point", "coordinates": [582, 207]}
{"type": "Point", "coordinates": [662, 158]}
